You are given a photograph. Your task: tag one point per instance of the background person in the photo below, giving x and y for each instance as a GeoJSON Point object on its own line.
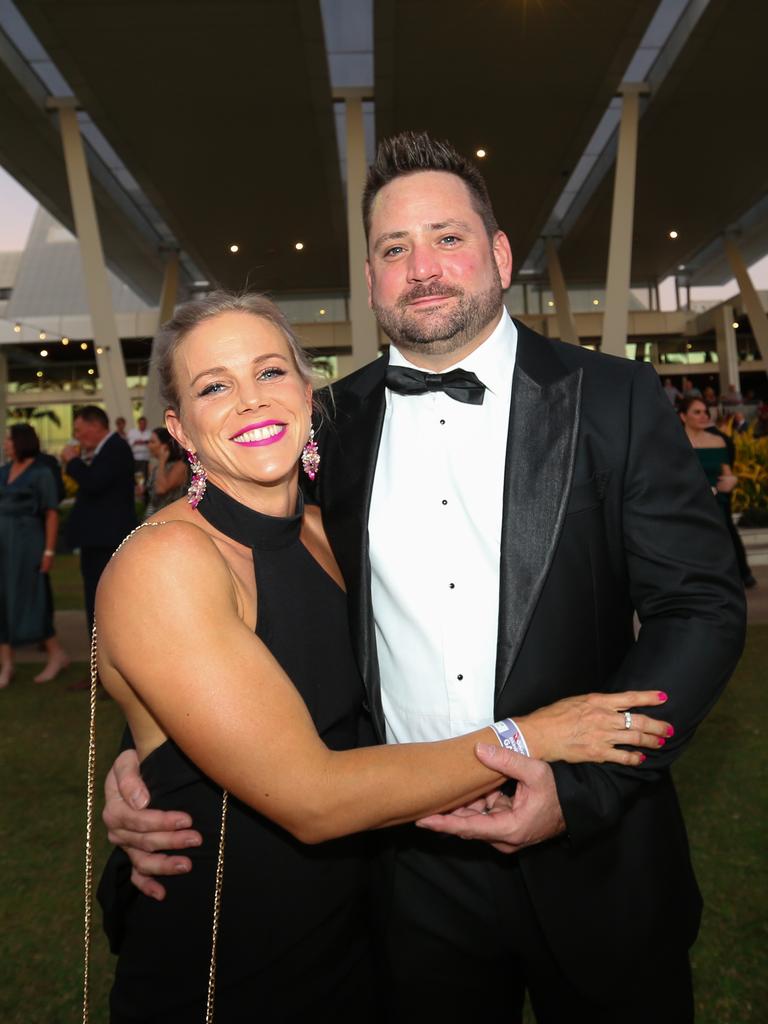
{"type": "Point", "coordinates": [29, 522]}
{"type": "Point", "coordinates": [104, 512]}
{"type": "Point", "coordinates": [168, 476]}
{"type": "Point", "coordinates": [716, 453]}
{"type": "Point", "coordinates": [138, 439]}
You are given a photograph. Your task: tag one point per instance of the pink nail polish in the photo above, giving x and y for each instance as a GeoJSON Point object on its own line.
{"type": "Point", "coordinates": [642, 758]}
{"type": "Point", "coordinates": [662, 695]}
{"type": "Point", "coordinates": [671, 731]}
{"type": "Point", "coordinates": [662, 741]}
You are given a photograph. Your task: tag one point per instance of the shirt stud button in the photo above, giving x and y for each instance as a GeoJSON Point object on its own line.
{"type": "Point", "coordinates": [452, 586]}
{"type": "Point", "coordinates": [445, 502]}
{"type": "Point", "coordinates": [459, 676]}
{"type": "Point", "coordinates": [442, 423]}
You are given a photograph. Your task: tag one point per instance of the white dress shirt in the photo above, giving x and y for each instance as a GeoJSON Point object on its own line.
{"type": "Point", "coordinates": [435, 534]}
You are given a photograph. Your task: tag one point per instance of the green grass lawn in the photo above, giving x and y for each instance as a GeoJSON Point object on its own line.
{"type": "Point", "coordinates": [67, 582]}
{"type": "Point", "coordinates": [43, 745]}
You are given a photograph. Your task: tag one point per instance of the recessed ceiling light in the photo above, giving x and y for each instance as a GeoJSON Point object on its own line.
{"type": "Point", "coordinates": [688, 345]}
{"type": "Point", "coordinates": [91, 372]}
{"type": "Point", "coordinates": [234, 248]}
{"type": "Point", "coordinates": [83, 345]}
{"type": "Point", "coordinates": [480, 153]}
{"type": "Point", "coordinates": [735, 324]}
{"type": "Point", "coordinates": [595, 302]}
{"type": "Point", "coordinates": [299, 246]}
{"type": "Point", "coordinates": [550, 302]}
{"type": "Point", "coordinates": [42, 335]}
{"type": "Point", "coordinates": [43, 352]}
{"type": "Point", "coordinates": [39, 373]}
{"type": "Point", "coordinates": [673, 234]}
{"type": "Point", "coordinates": [65, 341]}
{"type": "Point", "coordinates": [17, 328]}
{"type": "Point", "coordinates": [99, 351]}
{"type": "Point", "coordinates": [681, 266]}
{"type": "Point", "coordinates": [322, 312]}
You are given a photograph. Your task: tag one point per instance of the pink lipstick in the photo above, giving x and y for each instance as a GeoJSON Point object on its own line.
{"type": "Point", "coordinates": [255, 435]}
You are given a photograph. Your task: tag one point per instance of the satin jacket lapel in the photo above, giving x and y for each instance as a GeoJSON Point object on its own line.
{"type": "Point", "coordinates": [541, 450]}
{"type": "Point", "coordinates": [355, 433]}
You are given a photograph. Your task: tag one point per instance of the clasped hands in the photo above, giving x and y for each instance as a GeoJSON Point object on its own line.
{"type": "Point", "coordinates": [576, 729]}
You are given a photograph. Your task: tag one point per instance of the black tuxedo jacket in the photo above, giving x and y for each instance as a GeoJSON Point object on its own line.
{"type": "Point", "coordinates": [104, 511]}
{"type": "Point", "coordinates": [606, 511]}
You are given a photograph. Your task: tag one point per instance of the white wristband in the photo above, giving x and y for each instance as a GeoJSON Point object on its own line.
{"type": "Point", "coordinates": [510, 736]}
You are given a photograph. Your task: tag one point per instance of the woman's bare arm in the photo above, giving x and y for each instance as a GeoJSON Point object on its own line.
{"type": "Point", "coordinates": [171, 640]}
{"type": "Point", "coordinates": [170, 476]}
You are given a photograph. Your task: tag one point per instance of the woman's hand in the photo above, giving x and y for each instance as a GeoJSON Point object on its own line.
{"type": "Point", "coordinates": [590, 728]}
{"type": "Point", "coordinates": [727, 480]}
{"type": "Point", "coordinates": [46, 562]}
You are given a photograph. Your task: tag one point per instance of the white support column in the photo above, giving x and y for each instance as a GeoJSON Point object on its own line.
{"type": "Point", "coordinates": [154, 408]}
{"type": "Point", "coordinates": [565, 322]}
{"type": "Point", "coordinates": [616, 318]}
{"type": "Point", "coordinates": [727, 352]}
{"type": "Point", "coordinates": [109, 362]}
{"type": "Point", "coordinates": [365, 345]}
{"type": "Point", "coordinates": [3, 393]}
{"type": "Point", "coordinates": [750, 300]}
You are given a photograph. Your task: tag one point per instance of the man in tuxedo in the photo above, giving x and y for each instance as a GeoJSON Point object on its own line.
{"type": "Point", "coordinates": [101, 463]}
{"type": "Point", "coordinates": [500, 505]}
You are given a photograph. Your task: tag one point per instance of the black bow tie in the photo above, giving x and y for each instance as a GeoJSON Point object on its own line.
{"type": "Point", "coordinates": [463, 385]}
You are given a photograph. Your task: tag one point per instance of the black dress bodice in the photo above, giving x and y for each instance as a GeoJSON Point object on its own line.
{"type": "Point", "coordinates": [294, 928]}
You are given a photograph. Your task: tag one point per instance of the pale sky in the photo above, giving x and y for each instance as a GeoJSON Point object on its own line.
{"type": "Point", "coordinates": [17, 208]}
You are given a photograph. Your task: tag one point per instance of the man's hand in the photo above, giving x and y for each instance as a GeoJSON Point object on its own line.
{"type": "Point", "coordinates": [141, 831]}
{"type": "Point", "coordinates": [71, 451]}
{"type": "Point", "coordinates": [509, 824]}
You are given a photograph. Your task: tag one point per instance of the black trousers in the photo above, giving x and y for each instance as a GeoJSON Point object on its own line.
{"type": "Point", "coordinates": [93, 562]}
{"type": "Point", "coordinates": [463, 940]}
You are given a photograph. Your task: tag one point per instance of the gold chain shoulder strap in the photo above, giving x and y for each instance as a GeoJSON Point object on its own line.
{"type": "Point", "coordinates": [90, 802]}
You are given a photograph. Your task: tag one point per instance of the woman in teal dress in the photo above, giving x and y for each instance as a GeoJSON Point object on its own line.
{"type": "Point", "coordinates": [709, 447]}
{"type": "Point", "coordinates": [29, 522]}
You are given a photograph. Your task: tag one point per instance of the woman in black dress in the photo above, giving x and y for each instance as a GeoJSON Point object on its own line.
{"type": "Point", "coordinates": [223, 634]}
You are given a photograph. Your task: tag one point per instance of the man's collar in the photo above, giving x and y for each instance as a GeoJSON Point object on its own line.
{"type": "Point", "coordinates": [493, 361]}
{"type": "Point", "coordinates": [102, 442]}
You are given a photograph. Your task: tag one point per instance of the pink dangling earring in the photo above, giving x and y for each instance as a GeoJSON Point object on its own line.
{"type": "Point", "coordinates": [199, 480]}
{"type": "Point", "coordinates": [310, 457]}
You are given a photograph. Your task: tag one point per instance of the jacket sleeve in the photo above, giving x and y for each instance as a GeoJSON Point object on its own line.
{"type": "Point", "coordinates": [690, 602]}
{"type": "Point", "coordinates": [106, 469]}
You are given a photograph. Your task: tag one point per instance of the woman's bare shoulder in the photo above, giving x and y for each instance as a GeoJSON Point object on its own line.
{"type": "Point", "coordinates": [712, 441]}
{"type": "Point", "coordinates": [162, 554]}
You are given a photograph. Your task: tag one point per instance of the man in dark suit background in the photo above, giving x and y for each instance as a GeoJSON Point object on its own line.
{"type": "Point", "coordinates": [497, 529]}
{"type": "Point", "coordinates": [101, 464]}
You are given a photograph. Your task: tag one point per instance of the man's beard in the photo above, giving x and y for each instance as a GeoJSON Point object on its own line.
{"type": "Point", "coordinates": [437, 330]}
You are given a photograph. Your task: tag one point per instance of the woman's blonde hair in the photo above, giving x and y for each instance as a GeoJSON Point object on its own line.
{"type": "Point", "coordinates": [195, 312]}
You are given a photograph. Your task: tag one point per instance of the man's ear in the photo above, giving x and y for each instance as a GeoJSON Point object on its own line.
{"type": "Point", "coordinates": [502, 254]}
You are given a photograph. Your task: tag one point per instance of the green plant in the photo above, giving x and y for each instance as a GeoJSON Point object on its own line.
{"type": "Point", "coordinates": [751, 496]}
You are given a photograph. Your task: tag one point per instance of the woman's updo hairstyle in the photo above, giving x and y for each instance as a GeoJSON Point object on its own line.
{"type": "Point", "coordinates": [191, 314]}
{"type": "Point", "coordinates": [684, 404]}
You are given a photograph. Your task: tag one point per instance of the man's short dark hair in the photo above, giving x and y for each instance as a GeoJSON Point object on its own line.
{"type": "Point", "coordinates": [410, 152]}
{"type": "Point", "coordinates": [92, 414]}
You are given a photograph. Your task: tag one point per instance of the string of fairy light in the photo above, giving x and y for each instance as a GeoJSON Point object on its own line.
{"type": "Point", "coordinates": [52, 338]}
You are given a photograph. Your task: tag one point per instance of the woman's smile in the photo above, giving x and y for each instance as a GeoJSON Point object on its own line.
{"type": "Point", "coordinates": [257, 434]}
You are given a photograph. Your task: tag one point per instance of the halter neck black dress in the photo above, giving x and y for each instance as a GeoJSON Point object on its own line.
{"type": "Point", "coordinates": [294, 931]}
